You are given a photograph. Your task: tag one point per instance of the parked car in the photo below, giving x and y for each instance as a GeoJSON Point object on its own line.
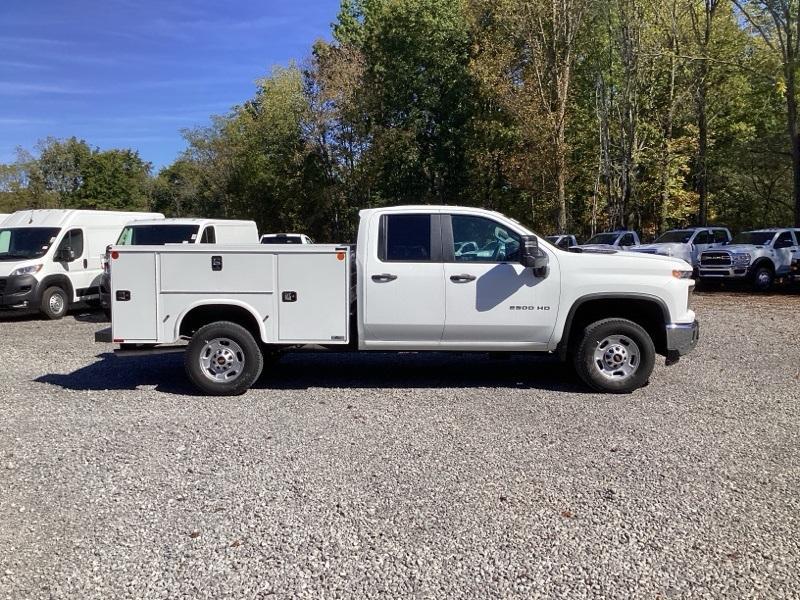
{"type": "Point", "coordinates": [286, 238]}
{"type": "Point", "coordinates": [688, 243]}
{"type": "Point", "coordinates": [157, 232]}
{"type": "Point", "coordinates": [562, 241]}
{"type": "Point", "coordinates": [51, 259]}
{"type": "Point", "coordinates": [622, 239]}
{"type": "Point", "coordinates": [759, 256]}
{"type": "Point", "coordinates": [609, 314]}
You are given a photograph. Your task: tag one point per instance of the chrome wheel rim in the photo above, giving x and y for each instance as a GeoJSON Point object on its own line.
{"type": "Point", "coordinates": [222, 360]}
{"type": "Point", "coordinates": [56, 304]}
{"type": "Point", "coordinates": [763, 278]}
{"type": "Point", "coordinates": [617, 357]}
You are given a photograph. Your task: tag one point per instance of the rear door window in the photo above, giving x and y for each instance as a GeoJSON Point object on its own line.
{"type": "Point", "coordinates": [406, 238]}
{"type": "Point", "coordinates": [209, 235]}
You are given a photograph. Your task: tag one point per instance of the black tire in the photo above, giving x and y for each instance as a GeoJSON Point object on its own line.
{"type": "Point", "coordinates": [55, 303]}
{"type": "Point", "coordinates": [248, 352]}
{"type": "Point", "coordinates": [591, 371]}
{"type": "Point", "coordinates": [763, 277]}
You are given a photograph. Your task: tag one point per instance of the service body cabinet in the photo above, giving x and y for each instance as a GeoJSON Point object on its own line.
{"type": "Point", "coordinates": [298, 294]}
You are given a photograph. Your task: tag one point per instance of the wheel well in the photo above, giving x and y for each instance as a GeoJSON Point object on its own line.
{"type": "Point", "coordinates": [649, 314]}
{"type": "Point", "coordinates": [58, 281]}
{"type": "Point", "coordinates": [763, 262]}
{"type": "Point", "coordinates": [203, 315]}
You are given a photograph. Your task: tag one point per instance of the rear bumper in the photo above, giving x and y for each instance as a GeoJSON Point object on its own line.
{"type": "Point", "coordinates": [681, 338]}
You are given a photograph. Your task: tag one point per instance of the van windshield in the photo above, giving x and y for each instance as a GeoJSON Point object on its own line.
{"type": "Point", "coordinates": [19, 243]}
{"type": "Point", "coordinates": [158, 235]}
{"type": "Point", "coordinates": [676, 236]}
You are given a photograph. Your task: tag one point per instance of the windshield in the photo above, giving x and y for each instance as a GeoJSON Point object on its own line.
{"type": "Point", "coordinates": [18, 243]}
{"type": "Point", "coordinates": [755, 238]}
{"type": "Point", "coordinates": [676, 236]}
{"type": "Point", "coordinates": [157, 235]}
{"type": "Point", "coordinates": [603, 238]}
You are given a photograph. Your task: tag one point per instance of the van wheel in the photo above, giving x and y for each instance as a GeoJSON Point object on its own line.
{"type": "Point", "coordinates": [615, 355]}
{"type": "Point", "coordinates": [763, 278]}
{"type": "Point", "coordinates": [223, 359]}
{"type": "Point", "coordinates": [54, 303]}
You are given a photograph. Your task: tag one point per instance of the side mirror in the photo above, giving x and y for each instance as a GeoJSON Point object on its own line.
{"type": "Point", "coordinates": [531, 256]}
{"type": "Point", "coordinates": [65, 254]}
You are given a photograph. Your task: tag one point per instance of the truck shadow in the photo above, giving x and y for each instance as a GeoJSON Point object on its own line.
{"type": "Point", "coordinates": [334, 370]}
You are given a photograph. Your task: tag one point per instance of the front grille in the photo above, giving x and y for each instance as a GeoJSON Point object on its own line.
{"type": "Point", "coordinates": [715, 259]}
{"type": "Point", "coordinates": [2, 284]}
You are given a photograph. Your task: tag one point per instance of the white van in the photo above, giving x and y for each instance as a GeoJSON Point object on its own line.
{"type": "Point", "coordinates": [52, 258]}
{"type": "Point", "coordinates": [160, 232]}
{"type": "Point", "coordinates": [3, 217]}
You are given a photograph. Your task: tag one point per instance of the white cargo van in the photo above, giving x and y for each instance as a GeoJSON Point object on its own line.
{"type": "Point", "coordinates": [404, 287]}
{"type": "Point", "coordinates": [51, 258]}
{"type": "Point", "coordinates": [159, 232]}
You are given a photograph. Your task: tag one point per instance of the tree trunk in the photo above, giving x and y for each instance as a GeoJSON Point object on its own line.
{"type": "Point", "coordinates": [701, 170]}
{"type": "Point", "coordinates": [791, 109]}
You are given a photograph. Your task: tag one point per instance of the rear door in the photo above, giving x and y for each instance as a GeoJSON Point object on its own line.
{"type": "Point", "coordinates": [133, 296]}
{"type": "Point", "coordinates": [491, 298]}
{"type": "Point", "coordinates": [404, 280]}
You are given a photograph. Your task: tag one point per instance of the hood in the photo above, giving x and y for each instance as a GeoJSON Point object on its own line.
{"type": "Point", "coordinates": [665, 248]}
{"type": "Point", "coordinates": [8, 266]}
{"type": "Point", "coordinates": [744, 248]}
{"type": "Point", "coordinates": [597, 247]}
{"type": "Point", "coordinates": [629, 260]}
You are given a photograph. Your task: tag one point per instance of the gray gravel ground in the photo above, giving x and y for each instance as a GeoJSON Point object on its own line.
{"type": "Point", "coordinates": [410, 476]}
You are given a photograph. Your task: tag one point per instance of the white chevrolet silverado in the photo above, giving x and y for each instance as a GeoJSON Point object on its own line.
{"type": "Point", "coordinates": [404, 287]}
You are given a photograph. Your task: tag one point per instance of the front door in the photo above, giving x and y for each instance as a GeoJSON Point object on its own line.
{"type": "Point", "coordinates": [491, 298]}
{"type": "Point", "coordinates": [785, 251]}
{"type": "Point", "coordinates": [76, 265]}
{"type": "Point", "coordinates": [703, 240]}
{"type": "Point", "coordinates": [404, 285]}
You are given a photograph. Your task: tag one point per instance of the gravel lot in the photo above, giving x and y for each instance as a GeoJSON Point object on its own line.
{"type": "Point", "coordinates": [412, 476]}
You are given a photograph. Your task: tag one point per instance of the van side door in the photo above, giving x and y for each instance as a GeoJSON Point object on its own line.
{"type": "Point", "coordinates": [491, 299]}
{"type": "Point", "coordinates": [403, 281]}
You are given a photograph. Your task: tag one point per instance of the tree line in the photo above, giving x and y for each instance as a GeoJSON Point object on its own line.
{"type": "Point", "coordinates": [569, 115]}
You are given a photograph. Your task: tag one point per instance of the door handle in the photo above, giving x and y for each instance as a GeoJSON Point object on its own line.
{"type": "Point", "coordinates": [384, 277]}
{"type": "Point", "coordinates": [462, 278]}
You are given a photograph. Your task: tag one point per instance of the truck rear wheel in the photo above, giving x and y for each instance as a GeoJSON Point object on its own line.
{"type": "Point", "coordinates": [615, 355]}
{"type": "Point", "coordinates": [223, 359]}
{"type": "Point", "coordinates": [54, 303]}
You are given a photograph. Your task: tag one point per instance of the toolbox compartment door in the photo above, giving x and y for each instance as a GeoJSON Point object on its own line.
{"type": "Point", "coordinates": [133, 297]}
{"type": "Point", "coordinates": [313, 297]}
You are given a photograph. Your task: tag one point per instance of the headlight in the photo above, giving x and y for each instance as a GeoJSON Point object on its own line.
{"type": "Point", "coordinates": [681, 274]}
{"type": "Point", "coordinates": [741, 260]}
{"type": "Point", "coordinates": [26, 270]}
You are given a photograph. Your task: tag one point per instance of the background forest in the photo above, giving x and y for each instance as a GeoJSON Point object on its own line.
{"type": "Point", "coordinates": [569, 115]}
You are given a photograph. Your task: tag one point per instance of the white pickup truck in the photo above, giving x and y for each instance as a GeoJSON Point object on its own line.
{"type": "Point", "coordinates": [403, 288]}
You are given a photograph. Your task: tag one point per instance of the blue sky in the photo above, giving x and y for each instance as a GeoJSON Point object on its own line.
{"type": "Point", "coordinates": [132, 73]}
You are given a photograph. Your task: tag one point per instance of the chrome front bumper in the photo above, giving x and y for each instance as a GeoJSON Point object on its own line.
{"type": "Point", "coordinates": [681, 339]}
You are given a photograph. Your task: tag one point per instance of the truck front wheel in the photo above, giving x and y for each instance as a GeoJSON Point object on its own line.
{"type": "Point", "coordinates": [223, 359]}
{"type": "Point", "coordinates": [763, 277]}
{"type": "Point", "coordinates": [615, 355]}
